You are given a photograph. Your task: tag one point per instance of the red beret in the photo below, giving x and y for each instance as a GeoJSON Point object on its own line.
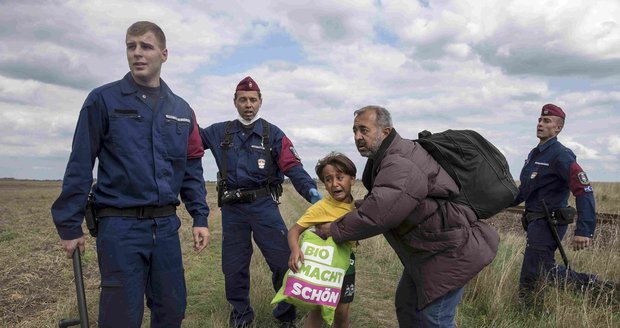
{"type": "Point", "coordinates": [247, 84]}
{"type": "Point", "coordinates": [552, 110]}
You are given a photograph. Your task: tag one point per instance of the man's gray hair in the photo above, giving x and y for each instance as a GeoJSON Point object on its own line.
{"type": "Point", "coordinates": [384, 119]}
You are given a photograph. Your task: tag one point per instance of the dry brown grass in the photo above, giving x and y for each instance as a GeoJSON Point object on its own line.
{"type": "Point", "coordinates": [36, 287]}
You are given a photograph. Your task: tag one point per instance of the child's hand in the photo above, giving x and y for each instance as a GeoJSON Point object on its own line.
{"type": "Point", "coordinates": [296, 259]}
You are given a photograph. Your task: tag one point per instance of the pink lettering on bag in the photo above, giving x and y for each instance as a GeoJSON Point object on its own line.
{"type": "Point", "coordinates": [311, 293]}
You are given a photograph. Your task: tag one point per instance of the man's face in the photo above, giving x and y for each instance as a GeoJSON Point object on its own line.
{"type": "Point", "coordinates": [367, 134]}
{"type": "Point", "coordinates": [548, 127]}
{"type": "Point", "coordinates": [145, 57]}
{"type": "Point", "coordinates": [248, 103]}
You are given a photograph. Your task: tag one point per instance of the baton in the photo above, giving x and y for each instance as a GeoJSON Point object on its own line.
{"type": "Point", "coordinates": [81, 296]}
{"type": "Point", "coordinates": [554, 232]}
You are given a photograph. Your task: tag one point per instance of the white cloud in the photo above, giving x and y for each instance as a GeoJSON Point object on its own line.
{"type": "Point", "coordinates": [484, 65]}
{"type": "Point", "coordinates": [582, 151]}
{"type": "Point", "coordinates": [614, 144]}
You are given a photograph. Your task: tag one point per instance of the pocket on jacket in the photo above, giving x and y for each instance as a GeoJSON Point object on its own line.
{"type": "Point", "coordinates": [129, 131]}
{"type": "Point", "coordinates": [175, 136]}
{"type": "Point", "coordinates": [435, 241]}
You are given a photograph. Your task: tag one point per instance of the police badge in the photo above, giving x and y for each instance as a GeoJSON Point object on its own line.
{"type": "Point", "coordinates": [583, 178]}
{"type": "Point", "coordinates": [292, 149]}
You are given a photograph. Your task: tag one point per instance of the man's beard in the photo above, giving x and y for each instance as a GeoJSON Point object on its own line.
{"type": "Point", "coordinates": [371, 149]}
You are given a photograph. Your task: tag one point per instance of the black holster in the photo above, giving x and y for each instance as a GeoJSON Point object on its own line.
{"type": "Point", "coordinates": [220, 187]}
{"type": "Point", "coordinates": [90, 217]}
{"type": "Point", "coordinates": [564, 215]}
{"type": "Point", "coordinates": [560, 216]}
{"type": "Point", "coordinates": [524, 221]}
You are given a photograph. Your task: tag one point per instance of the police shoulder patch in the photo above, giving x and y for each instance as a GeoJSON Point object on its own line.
{"type": "Point", "coordinates": [294, 152]}
{"type": "Point", "coordinates": [583, 178]}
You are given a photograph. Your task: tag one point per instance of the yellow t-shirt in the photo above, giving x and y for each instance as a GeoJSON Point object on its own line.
{"type": "Point", "coordinates": [325, 210]}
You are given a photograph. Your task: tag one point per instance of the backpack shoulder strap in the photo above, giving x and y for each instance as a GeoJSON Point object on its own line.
{"type": "Point", "coordinates": [267, 145]}
{"type": "Point", "coordinates": [226, 143]}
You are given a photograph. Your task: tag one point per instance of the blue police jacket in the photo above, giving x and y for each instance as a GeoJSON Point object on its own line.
{"type": "Point", "coordinates": [551, 173]}
{"type": "Point", "coordinates": [247, 165]}
{"type": "Point", "coordinates": [147, 157]}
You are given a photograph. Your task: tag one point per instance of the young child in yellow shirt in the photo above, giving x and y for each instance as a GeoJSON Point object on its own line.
{"type": "Point", "coordinates": [337, 172]}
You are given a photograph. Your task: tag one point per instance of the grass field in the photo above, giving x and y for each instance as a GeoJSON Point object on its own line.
{"type": "Point", "coordinates": [36, 287]}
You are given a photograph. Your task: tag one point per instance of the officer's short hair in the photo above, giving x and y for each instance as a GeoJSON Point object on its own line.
{"type": "Point", "coordinates": [142, 27]}
{"type": "Point", "coordinates": [338, 160]}
{"type": "Point", "coordinates": [384, 119]}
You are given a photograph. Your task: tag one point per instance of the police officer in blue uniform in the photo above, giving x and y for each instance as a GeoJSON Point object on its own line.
{"type": "Point", "coordinates": [551, 173]}
{"type": "Point", "coordinates": [253, 156]}
{"type": "Point", "coordinates": [148, 145]}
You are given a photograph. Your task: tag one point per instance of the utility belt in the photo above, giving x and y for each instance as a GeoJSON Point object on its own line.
{"type": "Point", "coordinates": [233, 196]}
{"type": "Point", "coordinates": [560, 216]}
{"type": "Point", "coordinates": [92, 215]}
{"type": "Point", "coordinates": [142, 212]}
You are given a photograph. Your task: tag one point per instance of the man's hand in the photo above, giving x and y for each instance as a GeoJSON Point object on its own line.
{"type": "Point", "coordinates": [580, 242]}
{"type": "Point", "coordinates": [323, 230]}
{"type": "Point", "coordinates": [201, 238]}
{"type": "Point", "coordinates": [70, 245]}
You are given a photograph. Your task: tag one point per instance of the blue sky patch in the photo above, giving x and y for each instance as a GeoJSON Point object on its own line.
{"type": "Point", "coordinates": [275, 46]}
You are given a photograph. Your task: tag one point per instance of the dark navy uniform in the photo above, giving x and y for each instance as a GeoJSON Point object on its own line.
{"type": "Point", "coordinates": [147, 157]}
{"type": "Point", "coordinates": [551, 173]}
{"type": "Point", "coordinates": [248, 168]}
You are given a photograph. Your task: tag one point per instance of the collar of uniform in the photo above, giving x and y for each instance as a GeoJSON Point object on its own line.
{"type": "Point", "coordinates": [128, 86]}
{"type": "Point", "coordinates": [547, 144]}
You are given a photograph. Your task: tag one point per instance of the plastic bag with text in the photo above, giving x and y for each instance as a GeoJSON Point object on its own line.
{"type": "Point", "coordinates": [318, 282]}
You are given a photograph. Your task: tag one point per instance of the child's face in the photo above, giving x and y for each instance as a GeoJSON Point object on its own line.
{"type": "Point", "coordinates": [337, 183]}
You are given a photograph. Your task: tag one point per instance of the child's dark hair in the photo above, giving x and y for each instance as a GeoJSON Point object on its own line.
{"type": "Point", "coordinates": [339, 161]}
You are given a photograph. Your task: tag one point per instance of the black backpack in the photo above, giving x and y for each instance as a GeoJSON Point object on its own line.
{"type": "Point", "coordinates": [478, 168]}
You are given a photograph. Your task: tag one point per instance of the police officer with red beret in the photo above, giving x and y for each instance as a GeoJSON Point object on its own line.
{"type": "Point", "coordinates": [551, 173]}
{"type": "Point", "coordinates": [149, 150]}
{"type": "Point", "coordinates": [253, 156]}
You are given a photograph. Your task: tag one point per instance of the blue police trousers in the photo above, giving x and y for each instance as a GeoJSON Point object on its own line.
{"type": "Point", "coordinates": [139, 257]}
{"type": "Point", "coordinates": [240, 222]}
{"type": "Point", "coordinates": [539, 259]}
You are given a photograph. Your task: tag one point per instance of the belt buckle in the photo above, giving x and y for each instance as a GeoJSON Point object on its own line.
{"type": "Point", "coordinates": [140, 212]}
{"type": "Point", "coordinates": [145, 212]}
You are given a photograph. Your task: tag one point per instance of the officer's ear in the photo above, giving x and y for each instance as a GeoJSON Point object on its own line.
{"type": "Point", "coordinates": [164, 55]}
{"type": "Point", "coordinates": [559, 124]}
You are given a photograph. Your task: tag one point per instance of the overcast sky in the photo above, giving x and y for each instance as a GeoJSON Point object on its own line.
{"type": "Point", "coordinates": [488, 65]}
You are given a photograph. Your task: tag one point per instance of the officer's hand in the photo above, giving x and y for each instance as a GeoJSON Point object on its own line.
{"type": "Point", "coordinates": [323, 230]}
{"type": "Point", "coordinates": [580, 242]}
{"type": "Point", "coordinates": [70, 245]}
{"type": "Point", "coordinates": [201, 238]}
{"type": "Point", "coordinates": [315, 196]}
